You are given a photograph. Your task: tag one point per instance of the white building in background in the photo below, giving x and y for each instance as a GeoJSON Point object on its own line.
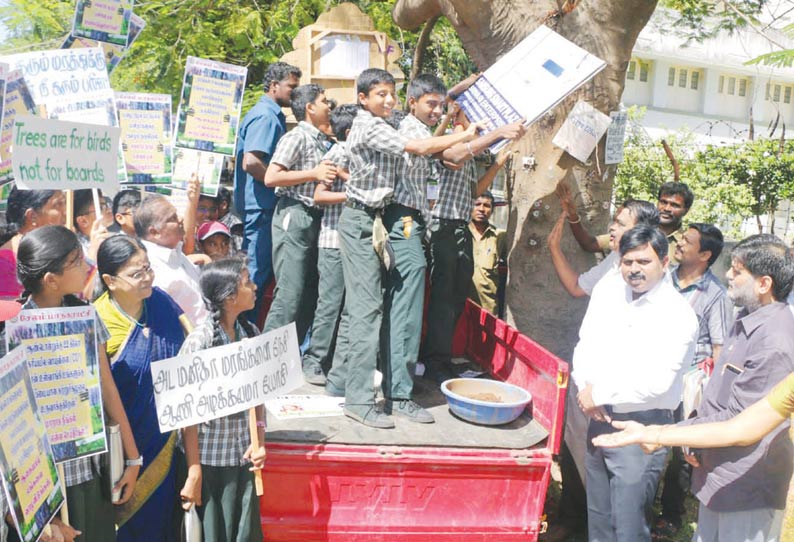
{"type": "Point", "coordinates": [708, 88]}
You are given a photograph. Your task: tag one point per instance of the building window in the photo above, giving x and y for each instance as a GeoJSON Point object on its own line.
{"type": "Point", "coordinates": [694, 80]}
{"type": "Point", "coordinates": [768, 94]}
{"type": "Point", "coordinates": [776, 94]}
{"type": "Point", "coordinates": [742, 87]}
{"type": "Point", "coordinates": [671, 77]}
{"type": "Point", "coordinates": [731, 86]}
{"type": "Point", "coordinates": [721, 86]}
{"type": "Point", "coordinates": [631, 73]}
{"type": "Point", "coordinates": [787, 95]}
{"type": "Point", "coordinates": [682, 78]}
{"type": "Point", "coordinates": [644, 68]}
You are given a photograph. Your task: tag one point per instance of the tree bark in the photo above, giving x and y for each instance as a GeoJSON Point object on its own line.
{"type": "Point", "coordinates": [421, 47]}
{"type": "Point", "coordinates": [536, 303]}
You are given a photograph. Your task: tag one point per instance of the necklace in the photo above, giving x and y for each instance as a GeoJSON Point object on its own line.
{"type": "Point", "coordinates": [140, 323]}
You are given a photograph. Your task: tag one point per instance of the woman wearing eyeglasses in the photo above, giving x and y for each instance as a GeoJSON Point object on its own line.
{"type": "Point", "coordinates": [145, 326]}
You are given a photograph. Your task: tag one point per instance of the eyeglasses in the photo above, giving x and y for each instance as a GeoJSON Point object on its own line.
{"type": "Point", "coordinates": [207, 210]}
{"type": "Point", "coordinates": [138, 275]}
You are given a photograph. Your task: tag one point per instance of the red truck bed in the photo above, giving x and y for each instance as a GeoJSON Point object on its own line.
{"type": "Point", "coordinates": [323, 490]}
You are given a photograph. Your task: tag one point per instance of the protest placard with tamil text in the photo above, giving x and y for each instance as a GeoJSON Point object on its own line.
{"type": "Point", "coordinates": [60, 346]}
{"type": "Point", "coordinates": [532, 78]}
{"type": "Point", "coordinates": [113, 53]}
{"type": "Point", "coordinates": [70, 85]}
{"type": "Point", "coordinates": [145, 122]}
{"type": "Point", "coordinates": [103, 20]}
{"type": "Point", "coordinates": [18, 101]}
{"type": "Point", "coordinates": [207, 120]}
{"type": "Point", "coordinates": [30, 479]}
{"type": "Point", "coordinates": [616, 134]}
{"type": "Point", "coordinates": [56, 155]}
{"type": "Point", "coordinates": [199, 387]}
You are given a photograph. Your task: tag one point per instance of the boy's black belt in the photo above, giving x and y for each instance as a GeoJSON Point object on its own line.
{"type": "Point", "coordinates": [353, 204]}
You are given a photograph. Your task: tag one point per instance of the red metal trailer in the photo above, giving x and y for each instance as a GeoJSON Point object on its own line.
{"type": "Point", "coordinates": [377, 489]}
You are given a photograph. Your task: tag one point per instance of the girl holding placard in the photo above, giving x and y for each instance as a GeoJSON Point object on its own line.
{"type": "Point", "coordinates": [231, 507]}
{"type": "Point", "coordinates": [51, 268]}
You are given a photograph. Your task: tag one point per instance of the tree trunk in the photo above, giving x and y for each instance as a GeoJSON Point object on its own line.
{"type": "Point", "coordinates": [536, 302]}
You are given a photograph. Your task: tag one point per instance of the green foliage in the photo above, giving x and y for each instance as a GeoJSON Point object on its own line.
{"type": "Point", "coordinates": [242, 32]}
{"type": "Point", "coordinates": [701, 20]}
{"type": "Point", "coordinates": [719, 199]}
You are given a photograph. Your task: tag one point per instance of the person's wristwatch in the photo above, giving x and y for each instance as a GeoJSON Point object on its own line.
{"type": "Point", "coordinates": [138, 462]}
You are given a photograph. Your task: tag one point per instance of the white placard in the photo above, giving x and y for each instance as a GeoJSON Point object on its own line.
{"type": "Point", "coordinates": [224, 380]}
{"type": "Point", "coordinates": [616, 135]}
{"type": "Point", "coordinates": [58, 155]}
{"type": "Point", "coordinates": [580, 132]}
{"type": "Point", "coordinates": [529, 80]}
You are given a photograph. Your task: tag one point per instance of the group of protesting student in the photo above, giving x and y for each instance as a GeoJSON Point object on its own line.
{"type": "Point", "coordinates": [164, 285]}
{"type": "Point", "coordinates": [346, 211]}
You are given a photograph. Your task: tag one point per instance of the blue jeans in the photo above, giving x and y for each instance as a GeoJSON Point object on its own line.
{"type": "Point", "coordinates": [258, 245]}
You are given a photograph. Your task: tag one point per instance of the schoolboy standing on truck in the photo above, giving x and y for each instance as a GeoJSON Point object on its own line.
{"type": "Point", "coordinates": [375, 148]}
{"type": "Point", "coordinates": [403, 218]}
{"type": "Point", "coordinates": [331, 198]}
{"type": "Point", "coordinates": [452, 262]}
{"type": "Point", "coordinates": [294, 170]}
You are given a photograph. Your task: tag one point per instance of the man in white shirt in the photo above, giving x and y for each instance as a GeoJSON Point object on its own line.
{"type": "Point", "coordinates": [635, 343]}
{"type": "Point", "coordinates": [158, 225]}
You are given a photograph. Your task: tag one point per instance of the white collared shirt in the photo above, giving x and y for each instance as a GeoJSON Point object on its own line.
{"type": "Point", "coordinates": [635, 352]}
{"type": "Point", "coordinates": [179, 278]}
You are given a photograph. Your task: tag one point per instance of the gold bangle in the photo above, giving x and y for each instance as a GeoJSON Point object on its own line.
{"type": "Point", "coordinates": [578, 219]}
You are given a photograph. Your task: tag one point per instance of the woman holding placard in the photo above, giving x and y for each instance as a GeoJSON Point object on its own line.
{"type": "Point", "coordinates": [146, 326]}
{"type": "Point", "coordinates": [231, 507]}
{"type": "Point", "coordinates": [52, 270]}
{"type": "Point", "coordinates": [26, 210]}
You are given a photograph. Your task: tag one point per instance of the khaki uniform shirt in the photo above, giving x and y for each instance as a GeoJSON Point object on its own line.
{"type": "Point", "coordinates": [672, 241]}
{"type": "Point", "coordinates": [488, 250]}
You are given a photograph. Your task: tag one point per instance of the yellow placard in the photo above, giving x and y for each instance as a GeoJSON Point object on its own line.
{"type": "Point", "coordinates": [144, 144]}
{"type": "Point", "coordinates": [103, 16]}
{"type": "Point", "coordinates": [62, 398]}
{"type": "Point", "coordinates": [210, 109]}
{"type": "Point", "coordinates": [20, 447]}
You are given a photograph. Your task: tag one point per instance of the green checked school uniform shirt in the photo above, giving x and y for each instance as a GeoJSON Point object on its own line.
{"type": "Point", "coordinates": [300, 149]}
{"type": "Point", "coordinates": [411, 187]}
{"type": "Point", "coordinates": [455, 197]}
{"type": "Point", "coordinates": [222, 441]}
{"type": "Point", "coordinates": [375, 150]}
{"type": "Point", "coordinates": [329, 236]}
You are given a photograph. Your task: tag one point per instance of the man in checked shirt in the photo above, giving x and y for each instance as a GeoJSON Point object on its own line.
{"type": "Point", "coordinates": [375, 149]}
{"type": "Point", "coordinates": [294, 170]}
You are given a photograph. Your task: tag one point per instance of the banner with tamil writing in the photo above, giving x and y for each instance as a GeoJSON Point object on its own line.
{"type": "Point", "coordinates": [30, 479]}
{"type": "Point", "coordinates": [199, 387]}
{"type": "Point", "coordinates": [61, 350]}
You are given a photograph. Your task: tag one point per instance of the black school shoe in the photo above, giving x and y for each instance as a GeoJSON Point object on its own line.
{"type": "Point", "coordinates": [408, 409]}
